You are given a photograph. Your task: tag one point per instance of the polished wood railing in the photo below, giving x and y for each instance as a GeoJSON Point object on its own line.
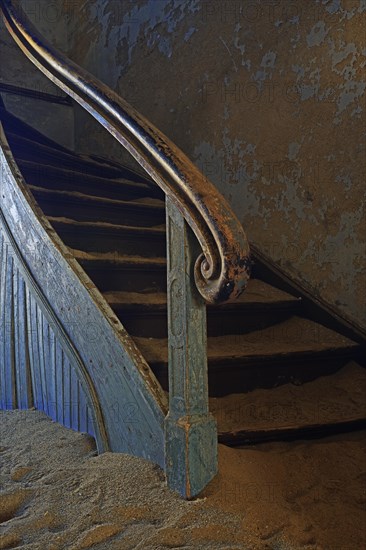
{"type": "Point", "coordinates": [208, 253]}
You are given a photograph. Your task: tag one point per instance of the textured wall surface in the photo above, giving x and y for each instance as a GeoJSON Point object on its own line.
{"type": "Point", "coordinates": [268, 99]}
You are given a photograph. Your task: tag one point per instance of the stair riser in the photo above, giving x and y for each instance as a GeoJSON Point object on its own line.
{"type": "Point", "coordinates": [231, 378]}
{"type": "Point", "coordinates": [82, 210]}
{"type": "Point", "coordinates": [66, 163]}
{"type": "Point", "coordinates": [149, 323]}
{"type": "Point", "coordinates": [90, 240]}
{"type": "Point", "coordinates": [128, 280]}
{"type": "Point", "coordinates": [41, 176]}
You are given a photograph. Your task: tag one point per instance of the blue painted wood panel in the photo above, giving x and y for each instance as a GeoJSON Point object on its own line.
{"type": "Point", "coordinates": [47, 358]}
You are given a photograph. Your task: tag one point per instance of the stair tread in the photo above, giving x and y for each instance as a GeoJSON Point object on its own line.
{"type": "Point", "coordinates": [145, 202]}
{"type": "Point", "coordinates": [289, 338]}
{"type": "Point", "coordinates": [130, 299]}
{"type": "Point", "coordinates": [289, 410]}
{"type": "Point", "coordinates": [23, 147]}
{"type": "Point", "coordinates": [19, 142]}
{"type": "Point", "coordinates": [111, 258]}
{"type": "Point", "coordinates": [257, 292]}
{"type": "Point", "coordinates": [83, 178]}
{"type": "Point", "coordinates": [69, 222]}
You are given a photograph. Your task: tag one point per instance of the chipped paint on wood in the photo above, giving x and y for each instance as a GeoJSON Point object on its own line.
{"type": "Point", "coordinates": [190, 430]}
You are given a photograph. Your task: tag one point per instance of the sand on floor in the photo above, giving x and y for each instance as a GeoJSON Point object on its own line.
{"type": "Point", "coordinates": [56, 493]}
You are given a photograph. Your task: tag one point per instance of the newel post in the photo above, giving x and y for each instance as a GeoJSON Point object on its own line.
{"type": "Point", "coordinates": [190, 430]}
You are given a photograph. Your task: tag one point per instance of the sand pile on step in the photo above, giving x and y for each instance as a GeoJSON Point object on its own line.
{"type": "Point", "coordinates": [55, 493]}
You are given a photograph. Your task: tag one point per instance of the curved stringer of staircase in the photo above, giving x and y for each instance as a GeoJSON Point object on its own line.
{"type": "Point", "coordinates": [105, 276]}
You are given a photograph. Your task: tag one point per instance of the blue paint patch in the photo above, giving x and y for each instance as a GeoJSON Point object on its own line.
{"type": "Point", "coordinates": [293, 150]}
{"type": "Point", "coordinates": [351, 91]}
{"type": "Point", "coordinates": [317, 34]}
{"type": "Point", "coordinates": [346, 180]}
{"type": "Point", "coordinates": [333, 7]}
{"type": "Point", "coordinates": [142, 19]}
{"type": "Point", "coordinates": [307, 92]}
{"type": "Point", "coordinates": [357, 112]}
{"type": "Point", "coordinates": [189, 33]}
{"type": "Point", "coordinates": [165, 46]}
{"type": "Point", "coordinates": [300, 71]}
{"type": "Point", "coordinates": [269, 59]}
{"type": "Point", "coordinates": [343, 54]}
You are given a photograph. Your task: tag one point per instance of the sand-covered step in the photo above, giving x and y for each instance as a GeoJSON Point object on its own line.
{"type": "Point", "coordinates": [83, 207]}
{"type": "Point", "coordinates": [108, 237]}
{"type": "Point", "coordinates": [113, 271]}
{"type": "Point", "coordinates": [260, 305]}
{"type": "Point", "coordinates": [295, 350]}
{"type": "Point", "coordinates": [141, 313]}
{"type": "Point", "coordinates": [327, 405]}
{"type": "Point", "coordinates": [61, 179]}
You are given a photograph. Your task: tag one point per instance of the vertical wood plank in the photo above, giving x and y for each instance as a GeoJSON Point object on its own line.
{"type": "Point", "coordinates": [9, 344]}
{"type": "Point", "coordinates": [34, 349]}
{"type": "Point", "coordinates": [67, 394]}
{"type": "Point", "coordinates": [41, 348]}
{"type": "Point", "coordinates": [83, 410]}
{"type": "Point", "coordinates": [74, 401]}
{"type": "Point", "coordinates": [23, 385]}
{"type": "Point", "coordinates": [51, 375]}
{"type": "Point", "coordinates": [28, 348]}
{"type": "Point", "coordinates": [2, 323]}
{"type": "Point", "coordinates": [59, 383]}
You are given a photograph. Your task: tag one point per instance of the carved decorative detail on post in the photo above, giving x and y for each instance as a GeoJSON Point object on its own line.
{"type": "Point", "coordinates": [191, 438]}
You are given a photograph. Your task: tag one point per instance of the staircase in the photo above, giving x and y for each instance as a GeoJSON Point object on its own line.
{"type": "Point", "coordinates": [276, 369]}
{"type": "Point", "coordinates": [113, 222]}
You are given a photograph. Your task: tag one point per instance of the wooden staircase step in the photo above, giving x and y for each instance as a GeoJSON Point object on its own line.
{"type": "Point", "coordinates": [294, 350]}
{"type": "Point", "coordinates": [114, 271]}
{"type": "Point", "coordinates": [83, 207]}
{"type": "Point", "coordinates": [327, 405]}
{"type": "Point", "coordinates": [20, 134]}
{"type": "Point", "coordinates": [123, 239]}
{"type": "Point", "coordinates": [26, 149]}
{"type": "Point", "coordinates": [15, 125]}
{"type": "Point", "coordinates": [260, 305]}
{"type": "Point", "coordinates": [50, 177]}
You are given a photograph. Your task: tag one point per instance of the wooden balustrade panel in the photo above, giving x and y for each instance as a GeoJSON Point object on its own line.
{"type": "Point", "coordinates": [35, 370]}
{"type": "Point", "coordinates": [62, 349]}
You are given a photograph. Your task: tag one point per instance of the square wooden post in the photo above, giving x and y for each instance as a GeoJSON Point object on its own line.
{"type": "Point", "coordinates": [190, 430]}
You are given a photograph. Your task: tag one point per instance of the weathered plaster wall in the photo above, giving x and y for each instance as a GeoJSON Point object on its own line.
{"type": "Point", "coordinates": [268, 98]}
{"type": "Point", "coordinates": [55, 121]}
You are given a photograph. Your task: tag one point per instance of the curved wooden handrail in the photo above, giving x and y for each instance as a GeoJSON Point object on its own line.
{"type": "Point", "coordinates": [223, 268]}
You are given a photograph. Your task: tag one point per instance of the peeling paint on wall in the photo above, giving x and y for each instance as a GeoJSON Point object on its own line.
{"type": "Point", "coordinates": [268, 99]}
